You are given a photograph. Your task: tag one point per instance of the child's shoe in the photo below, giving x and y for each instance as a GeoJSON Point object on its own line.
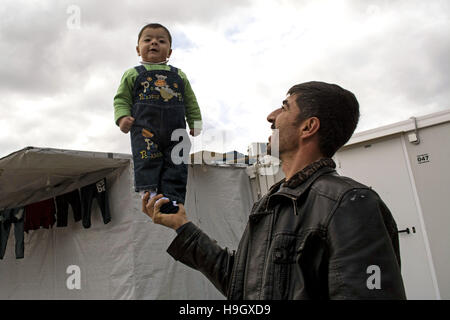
{"type": "Point", "coordinates": [169, 207]}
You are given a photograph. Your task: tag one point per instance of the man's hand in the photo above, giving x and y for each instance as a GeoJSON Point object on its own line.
{"type": "Point", "coordinates": [194, 132]}
{"type": "Point", "coordinates": [152, 207]}
{"type": "Point", "coordinates": [125, 124]}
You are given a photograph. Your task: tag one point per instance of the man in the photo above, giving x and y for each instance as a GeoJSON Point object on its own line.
{"type": "Point", "coordinates": [315, 234]}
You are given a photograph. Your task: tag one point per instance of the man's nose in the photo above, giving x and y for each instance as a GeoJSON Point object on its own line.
{"type": "Point", "coordinates": [273, 115]}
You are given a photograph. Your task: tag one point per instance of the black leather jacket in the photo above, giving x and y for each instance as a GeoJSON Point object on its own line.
{"type": "Point", "coordinates": [328, 237]}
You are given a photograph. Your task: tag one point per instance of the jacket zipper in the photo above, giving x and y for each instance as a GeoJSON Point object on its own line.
{"type": "Point", "coordinates": [269, 242]}
{"type": "Point", "coordinates": [237, 258]}
{"type": "Point", "coordinates": [294, 202]}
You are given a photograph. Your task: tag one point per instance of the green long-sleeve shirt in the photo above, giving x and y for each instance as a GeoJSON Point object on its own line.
{"type": "Point", "coordinates": [123, 100]}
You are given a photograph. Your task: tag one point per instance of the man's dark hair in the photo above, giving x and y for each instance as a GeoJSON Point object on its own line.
{"type": "Point", "coordinates": [336, 108]}
{"type": "Point", "coordinates": [155, 26]}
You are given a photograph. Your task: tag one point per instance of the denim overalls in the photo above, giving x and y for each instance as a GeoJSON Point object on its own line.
{"type": "Point", "coordinates": [158, 109]}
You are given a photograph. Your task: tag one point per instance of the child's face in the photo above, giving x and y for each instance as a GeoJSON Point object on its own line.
{"type": "Point", "coordinates": [154, 45]}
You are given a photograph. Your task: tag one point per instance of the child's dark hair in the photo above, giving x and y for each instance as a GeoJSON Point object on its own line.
{"type": "Point", "coordinates": [155, 26]}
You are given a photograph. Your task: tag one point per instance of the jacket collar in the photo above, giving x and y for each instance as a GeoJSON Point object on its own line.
{"type": "Point", "coordinates": [303, 179]}
{"type": "Point", "coordinates": [309, 171]}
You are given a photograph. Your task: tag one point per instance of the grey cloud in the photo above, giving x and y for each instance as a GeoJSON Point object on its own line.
{"type": "Point", "coordinates": [42, 56]}
{"type": "Point", "coordinates": [411, 65]}
{"type": "Point", "coordinates": [111, 14]}
{"type": "Point", "coordinates": [400, 70]}
{"type": "Point", "coordinates": [27, 42]}
{"type": "Point", "coordinates": [395, 72]}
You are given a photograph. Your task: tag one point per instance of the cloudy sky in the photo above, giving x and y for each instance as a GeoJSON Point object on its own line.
{"type": "Point", "coordinates": [61, 63]}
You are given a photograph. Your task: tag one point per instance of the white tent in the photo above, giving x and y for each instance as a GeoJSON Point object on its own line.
{"type": "Point", "coordinates": [126, 258]}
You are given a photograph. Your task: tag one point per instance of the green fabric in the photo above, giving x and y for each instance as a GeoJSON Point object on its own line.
{"type": "Point", "coordinates": [123, 100]}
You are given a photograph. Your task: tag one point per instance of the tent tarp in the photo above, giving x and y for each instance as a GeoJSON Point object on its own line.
{"type": "Point", "coordinates": [32, 173]}
{"type": "Point", "coordinates": [126, 258]}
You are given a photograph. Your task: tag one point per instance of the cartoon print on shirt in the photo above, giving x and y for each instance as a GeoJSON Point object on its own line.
{"type": "Point", "coordinates": [160, 84]}
{"type": "Point", "coordinates": [166, 92]}
{"type": "Point", "coordinates": [146, 85]}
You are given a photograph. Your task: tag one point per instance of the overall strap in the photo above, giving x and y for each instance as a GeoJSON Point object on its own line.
{"type": "Point", "coordinates": [140, 69]}
{"type": "Point", "coordinates": [173, 69]}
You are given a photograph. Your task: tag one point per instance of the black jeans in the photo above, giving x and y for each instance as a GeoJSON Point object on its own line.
{"type": "Point", "coordinates": [88, 194]}
{"type": "Point", "coordinates": [8, 217]}
{"type": "Point", "coordinates": [62, 207]}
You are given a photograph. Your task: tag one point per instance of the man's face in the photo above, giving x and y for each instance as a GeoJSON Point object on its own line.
{"type": "Point", "coordinates": [287, 129]}
{"type": "Point", "coordinates": [154, 45]}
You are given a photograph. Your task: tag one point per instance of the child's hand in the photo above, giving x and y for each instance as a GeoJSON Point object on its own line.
{"type": "Point", "coordinates": [125, 124]}
{"type": "Point", "coordinates": [195, 132]}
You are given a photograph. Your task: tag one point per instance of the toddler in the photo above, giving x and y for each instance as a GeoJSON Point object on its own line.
{"type": "Point", "coordinates": [152, 101]}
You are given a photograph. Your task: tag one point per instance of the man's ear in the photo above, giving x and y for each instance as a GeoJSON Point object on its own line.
{"type": "Point", "coordinates": [137, 50]}
{"type": "Point", "coordinates": [170, 52]}
{"type": "Point", "coordinates": [310, 127]}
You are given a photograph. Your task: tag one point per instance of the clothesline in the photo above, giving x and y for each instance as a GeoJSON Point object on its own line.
{"type": "Point", "coordinates": [46, 212]}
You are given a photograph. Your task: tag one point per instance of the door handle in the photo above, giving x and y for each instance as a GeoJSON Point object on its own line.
{"type": "Point", "coordinates": [407, 230]}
